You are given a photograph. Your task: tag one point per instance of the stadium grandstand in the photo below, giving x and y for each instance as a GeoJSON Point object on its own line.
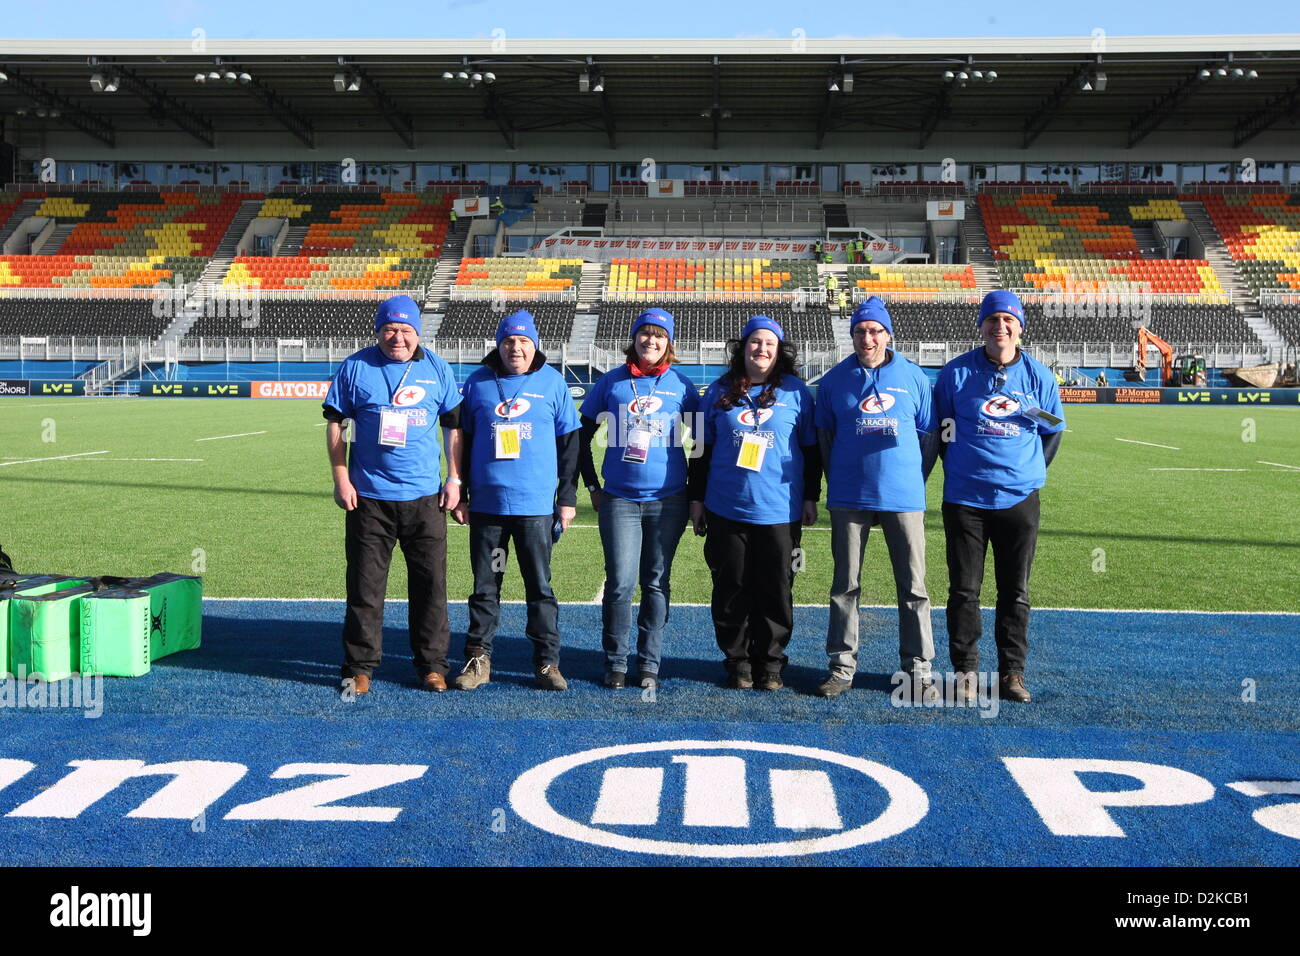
{"type": "Point", "coordinates": [176, 220]}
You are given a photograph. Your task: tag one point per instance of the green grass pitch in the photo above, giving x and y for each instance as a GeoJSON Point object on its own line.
{"type": "Point", "coordinates": [1210, 523]}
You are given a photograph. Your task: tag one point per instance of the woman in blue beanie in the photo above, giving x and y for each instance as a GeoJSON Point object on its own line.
{"type": "Point", "coordinates": [646, 405]}
{"type": "Point", "coordinates": [757, 480]}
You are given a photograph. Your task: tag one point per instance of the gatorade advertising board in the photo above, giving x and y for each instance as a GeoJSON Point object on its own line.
{"type": "Point", "coordinates": [316, 390]}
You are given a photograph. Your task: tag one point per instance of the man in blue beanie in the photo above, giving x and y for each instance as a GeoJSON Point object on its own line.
{"type": "Point", "coordinates": [874, 412]}
{"type": "Point", "coordinates": [391, 491]}
{"type": "Point", "coordinates": [1002, 422]}
{"type": "Point", "coordinates": [520, 464]}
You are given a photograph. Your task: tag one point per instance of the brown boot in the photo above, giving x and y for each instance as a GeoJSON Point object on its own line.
{"type": "Point", "coordinates": [1013, 688]}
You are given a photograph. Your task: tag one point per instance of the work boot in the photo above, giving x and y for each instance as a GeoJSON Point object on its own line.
{"type": "Point", "coordinates": [476, 672]}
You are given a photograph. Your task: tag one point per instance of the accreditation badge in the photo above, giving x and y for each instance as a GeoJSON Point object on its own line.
{"type": "Point", "coordinates": [508, 444]}
{"type": "Point", "coordinates": [392, 429]}
{"type": "Point", "coordinates": [752, 450]}
{"type": "Point", "coordinates": [637, 449]}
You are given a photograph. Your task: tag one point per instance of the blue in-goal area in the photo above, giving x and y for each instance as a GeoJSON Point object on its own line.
{"type": "Point", "coordinates": [1154, 739]}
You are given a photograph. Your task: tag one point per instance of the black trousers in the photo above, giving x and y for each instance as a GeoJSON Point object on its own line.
{"type": "Point", "coordinates": [1013, 532]}
{"type": "Point", "coordinates": [489, 550]}
{"type": "Point", "coordinates": [373, 527]}
{"type": "Point", "coordinates": [753, 600]}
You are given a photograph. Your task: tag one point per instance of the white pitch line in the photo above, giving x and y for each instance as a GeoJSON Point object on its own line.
{"type": "Point", "coordinates": [1204, 469]}
{"type": "Point", "coordinates": [1277, 464]}
{"type": "Point", "coordinates": [145, 459]}
{"type": "Point", "coordinates": [870, 607]}
{"type": "Point", "coordinates": [28, 461]}
{"type": "Point", "coordinates": [1134, 441]}
{"type": "Point", "coordinates": [240, 435]}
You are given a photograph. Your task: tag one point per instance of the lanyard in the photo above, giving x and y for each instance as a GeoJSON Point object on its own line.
{"type": "Point", "coordinates": [502, 392]}
{"type": "Point", "coordinates": [870, 376]}
{"type": "Point", "coordinates": [637, 417]}
{"type": "Point", "coordinates": [754, 405]}
{"type": "Point", "coordinates": [392, 395]}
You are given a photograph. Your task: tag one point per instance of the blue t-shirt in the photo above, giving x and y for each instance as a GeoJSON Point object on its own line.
{"type": "Point", "coordinates": [540, 404]}
{"type": "Point", "coordinates": [369, 383]}
{"type": "Point", "coordinates": [655, 405]}
{"type": "Point", "coordinates": [874, 416]}
{"type": "Point", "coordinates": [773, 495]}
{"type": "Point", "coordinates": [995, 459]}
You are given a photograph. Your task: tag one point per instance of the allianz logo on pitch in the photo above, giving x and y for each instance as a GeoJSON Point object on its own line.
{"type": "Point", "coordinates": [748, 799]}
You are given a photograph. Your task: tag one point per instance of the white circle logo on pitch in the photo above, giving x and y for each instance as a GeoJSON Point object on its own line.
{"type": "Point", "coordinates": [410, 395]}
{"type": "Point", "coordinates": [875, 404]}
{"type": "Point", "coordinates": [719, 799]}
{"type": "Point", "coordinates": [520, 406]}
{"type": "Point", "coordinates": [999, 406]}
{"type": "Point", "coordinates": [747, 416]}
{"type": "Point", "coordinates": [645, 405]}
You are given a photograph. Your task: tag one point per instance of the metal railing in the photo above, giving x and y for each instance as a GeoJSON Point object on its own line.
{"type": "Point", "coordinates": [141, 352]}
{"type": "Point", "coordinates": [687, 297]}
{"type": "Point", "coordinates": [1276, 297]}
{"type": "Point", "coordinates": [476, 293]}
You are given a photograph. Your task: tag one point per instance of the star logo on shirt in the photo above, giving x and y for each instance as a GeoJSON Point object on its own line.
{"type": "Point", "coordinates": [411, 395]}
{"type": "Point", "coordinates": [999, 406]}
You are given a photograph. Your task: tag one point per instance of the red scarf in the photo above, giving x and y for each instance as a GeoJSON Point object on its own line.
{"type": "Point", "coordinates": [654, 371]}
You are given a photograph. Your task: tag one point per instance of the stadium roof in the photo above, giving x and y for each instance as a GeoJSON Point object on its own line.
{"type": "Point", "coordinates": [1120, 89]}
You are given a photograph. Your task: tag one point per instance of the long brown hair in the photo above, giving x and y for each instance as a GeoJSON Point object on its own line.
{"type": "Point", "coordinates": [738, 383]}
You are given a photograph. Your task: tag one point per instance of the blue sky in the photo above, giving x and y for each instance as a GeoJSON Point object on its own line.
{"type": "Point", "coordinates": [446, 19]}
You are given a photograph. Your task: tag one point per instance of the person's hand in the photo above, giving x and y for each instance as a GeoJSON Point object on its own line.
{"type": "Point", "coordinates": [460, 513]}
{"type": "Point", "coordinates": [345, 496]}
{"type": "Point", "coordinates": [449, 497]}
{"type": "Point", "coordinates": [597, 499]}
{"type": "Point", "coordinates": [809, 513]}
{"type": "Point", "coordinates": [566, 514]}
{"type": "Point", "coordinates": [698, 521]}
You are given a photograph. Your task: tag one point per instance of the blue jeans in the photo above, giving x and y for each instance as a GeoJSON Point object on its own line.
{"type": "Point", "coordinates": [644, 534]}
{"type": "Point", "coordinates": [489, 549]}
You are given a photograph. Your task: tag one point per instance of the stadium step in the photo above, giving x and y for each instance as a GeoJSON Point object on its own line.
{"type": "Point", "coordinates": [584, 332]}
{"type": "Point", "coordinates": [26, 209]}
{"type": "Point", "coordinates": [229, 244]}
{"type": "Point", "coordinates": [1147, 243]}
{"type": "Point", "coordinates": [1216, 254]}
{"type": "Point", "coordinates": [592, 285]}
{"type": "Point", "coordinates": [292, 244]}
{"type": "Point", "coordinates": [444, 273]}
{"type": "Point", "coordinates": [835, 215]}
{"type": "Point", "coordinates": [55, 239]}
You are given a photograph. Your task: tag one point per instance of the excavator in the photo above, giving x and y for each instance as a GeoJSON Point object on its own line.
{"type": "Point", "coordinates": [1174, 371]}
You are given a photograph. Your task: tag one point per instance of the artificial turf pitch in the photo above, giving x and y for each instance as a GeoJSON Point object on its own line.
{"type": "Point", "coordinates": [107, 487]}
{"type": "Point", "coordinates": [238, 491]}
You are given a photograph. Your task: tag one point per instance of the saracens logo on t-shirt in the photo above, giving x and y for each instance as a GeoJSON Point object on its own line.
{"type": "Point", "coordinates": [747, 416]}
{"type": "Point", "coordinates": [999, 406]}
{"type": "Point", "coordinates": [645, 405]}
{"type": "Point", "coordinates": [515, 409]}
{"type": "Point", "coordinates": [410, 395]}
{"type": "Point", "coordinates": [875, 404]}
